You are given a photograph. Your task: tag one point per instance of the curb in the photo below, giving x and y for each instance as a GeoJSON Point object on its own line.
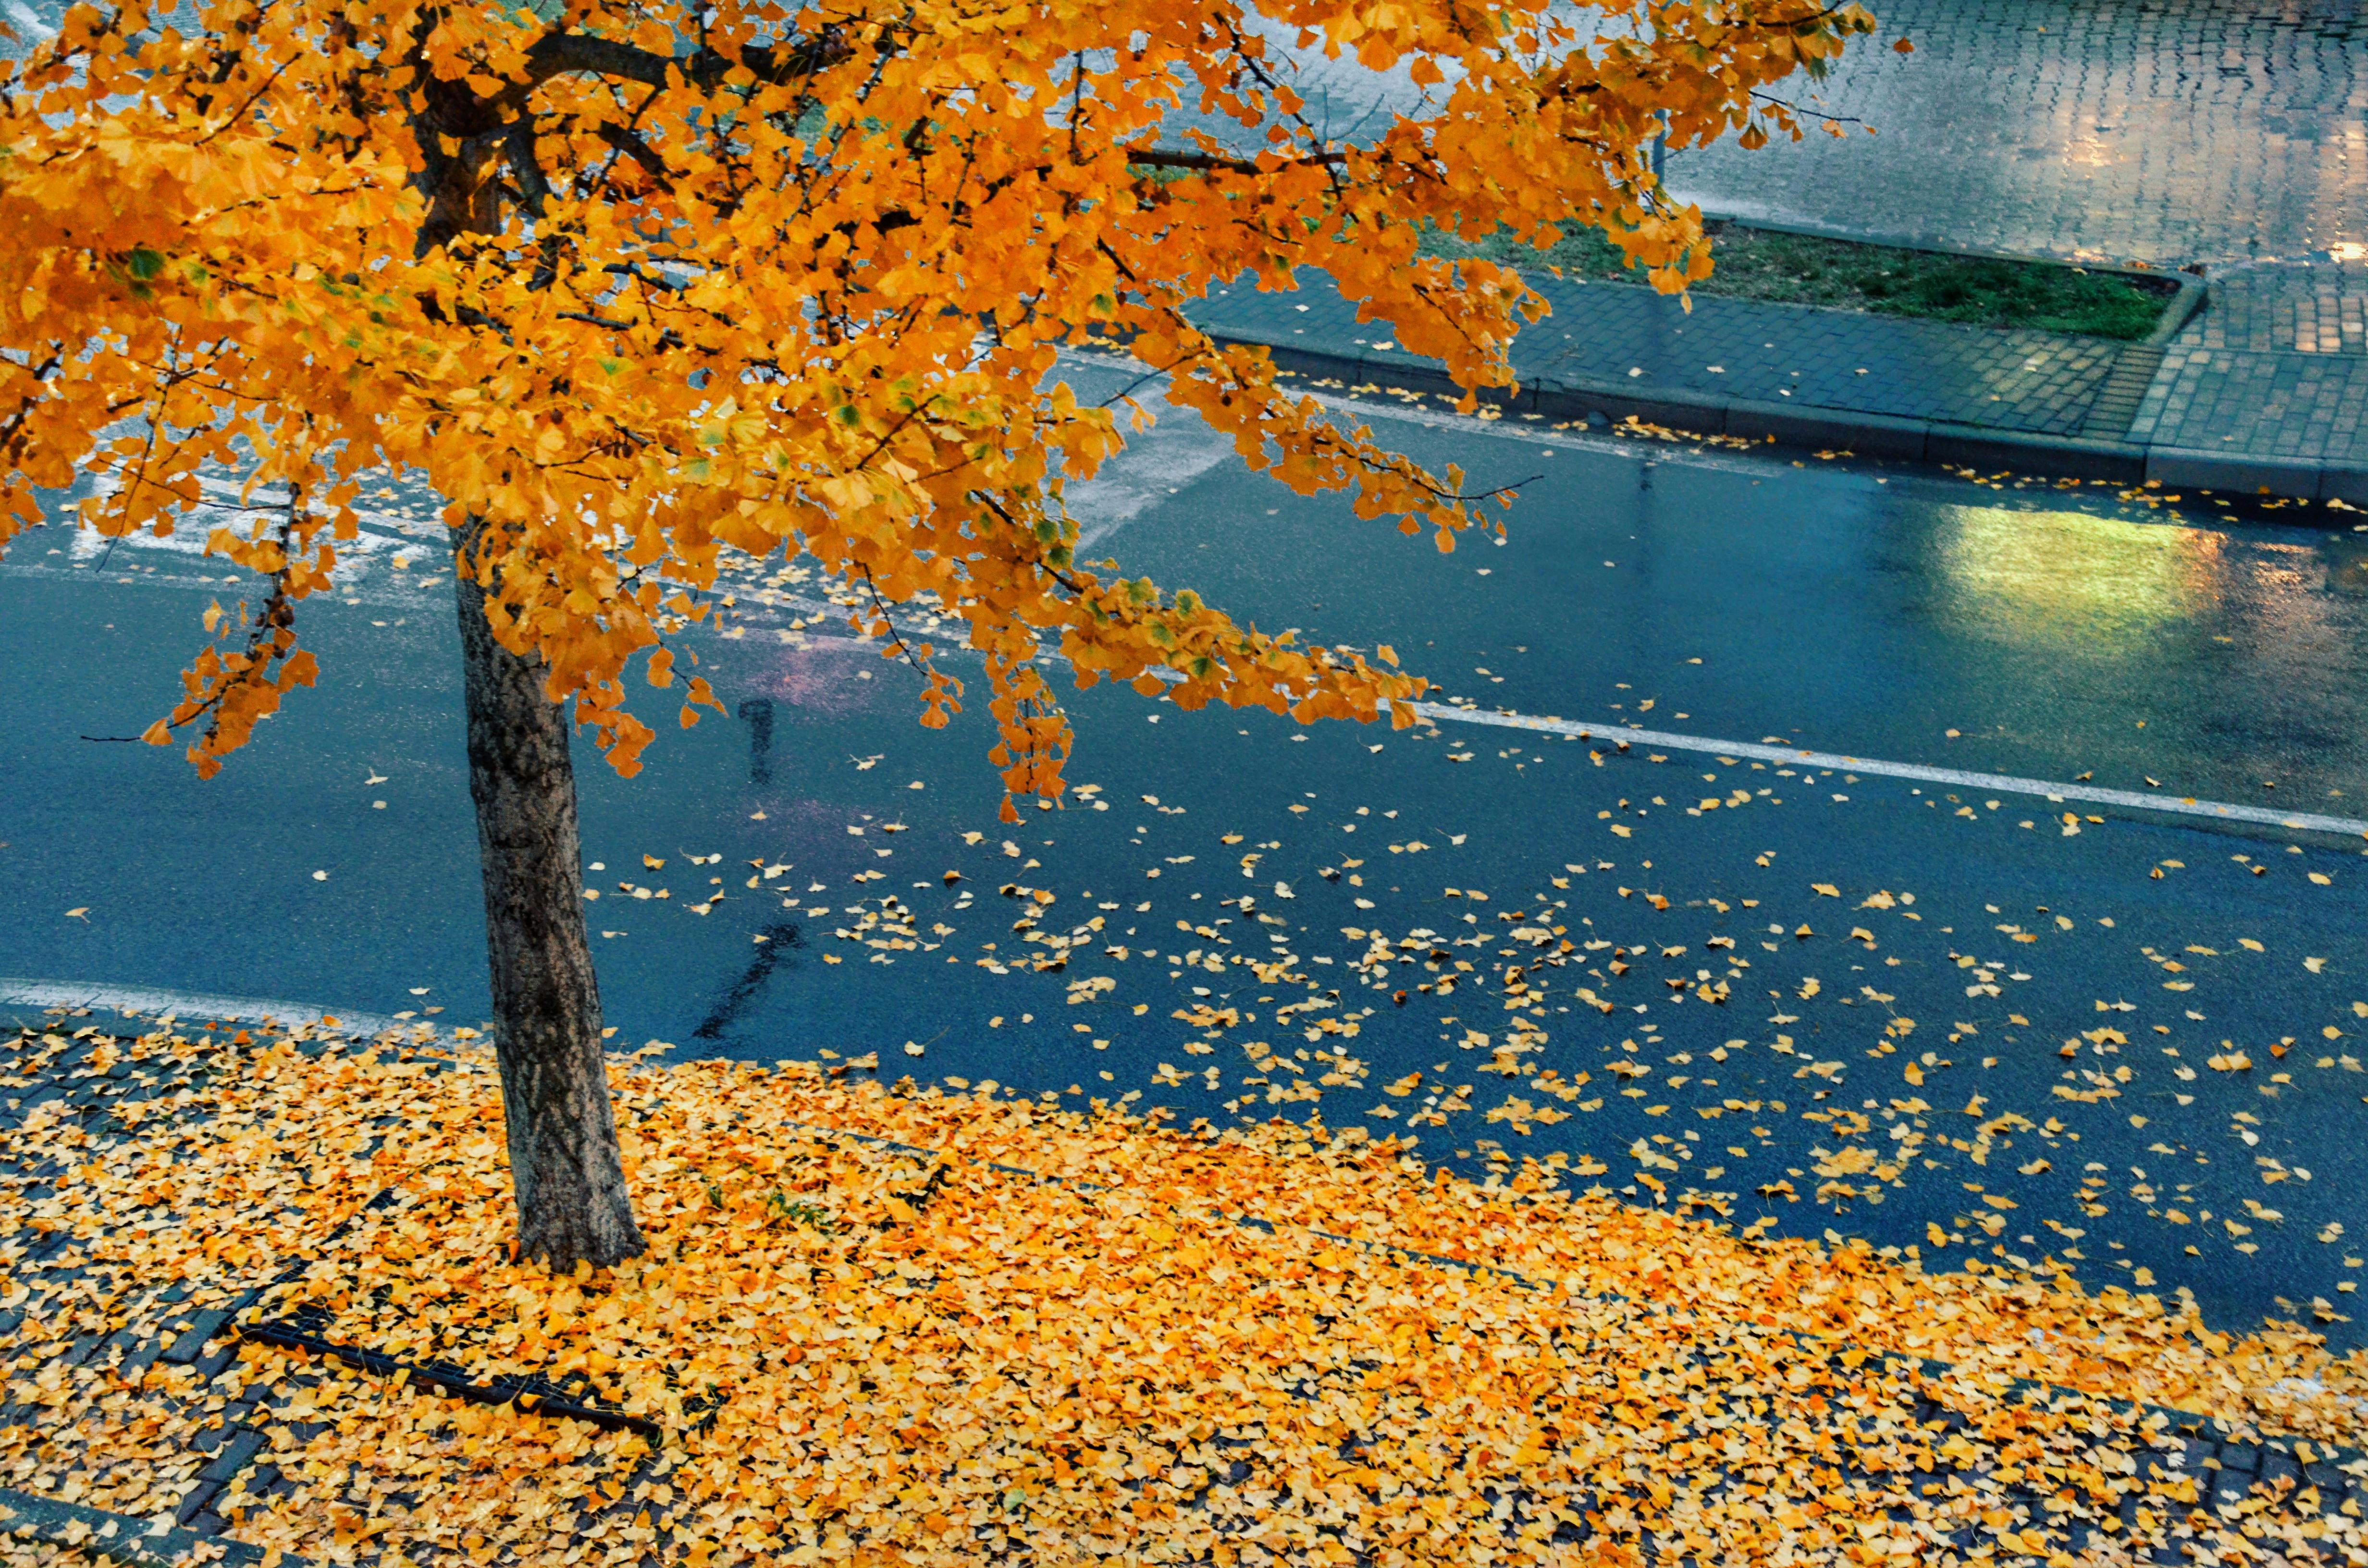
{"type": "Point", "coordinates": [38, 1004]}
{"type": "Point", "coordinates": [1785, 425]}
{"type": "Point", "coordinates": [2194, 293]}
{"type": "Point", "coordinates": [119, 1538]}
{"type": "Point", "coordinates": [1807, 427]}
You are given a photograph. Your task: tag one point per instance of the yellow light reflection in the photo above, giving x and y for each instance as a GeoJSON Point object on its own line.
{"type": "Point", "coordinates": [2067, 579]}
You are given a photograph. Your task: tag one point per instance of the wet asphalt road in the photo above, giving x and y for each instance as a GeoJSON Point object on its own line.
{"type": "Point", "coordinates": [1931, 1017]}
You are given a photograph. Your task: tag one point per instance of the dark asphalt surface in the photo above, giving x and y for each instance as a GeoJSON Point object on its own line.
{"type": "Point", "coordinates": [2055, 1095]}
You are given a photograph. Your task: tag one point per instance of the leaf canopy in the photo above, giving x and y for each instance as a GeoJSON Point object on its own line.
{"type": "Point", "coordinates": [628, 283]}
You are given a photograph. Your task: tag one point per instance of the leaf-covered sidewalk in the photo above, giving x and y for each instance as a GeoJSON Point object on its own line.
{"type": "Point", "coordinates": [887, 1325]}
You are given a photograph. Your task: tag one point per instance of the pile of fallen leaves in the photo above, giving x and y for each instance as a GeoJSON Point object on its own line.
{"type": "Point", "coordinates": [885, 1324]}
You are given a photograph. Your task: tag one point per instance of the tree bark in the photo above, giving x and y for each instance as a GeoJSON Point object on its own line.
{"type": "Point", "coordinates": [565, 1168]}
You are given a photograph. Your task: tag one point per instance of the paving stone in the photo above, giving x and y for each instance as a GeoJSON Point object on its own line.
{"type": "Point", "coordinates": [198, 1500]}
{"type": "Point", "coordinates": [192, 1343]}
{"type": "Point", "coordinates": [40, 1095]}
{"type": "Point", "coordinates": [1642, 342]}
{"type": "Point", "coordinates": [2324, 1476]}
{"type": "Point", "coordinates": [2172, 132]}
{"type": "Point", "coordinates": [2030, 125]}
{"type": "Point", "coordinates": [140, 1358]}
{"type": "Point", "coordinates": [235, 1453]}
{"type": "Point", "coordinates": [2250, 420]}
{"type": "Point", "coordinates": [237, 1450]}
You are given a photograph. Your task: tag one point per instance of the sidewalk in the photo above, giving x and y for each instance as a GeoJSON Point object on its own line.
{"type": "Point", "coordinates": [2268, 383]}
{"type": "Point", "coordinates": [2210, 130]}
{"type": "Point", "coordinates": [2259, 392]}
{"type": "Point", "coordinates": [983, 1323]}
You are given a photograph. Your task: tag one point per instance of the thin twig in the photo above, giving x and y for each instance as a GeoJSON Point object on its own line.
{"type": "Point", "coordinates": [1810, 113]}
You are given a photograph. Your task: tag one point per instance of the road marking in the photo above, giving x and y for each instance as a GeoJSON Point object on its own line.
{"type": "Point", "coordinates": [133, 1001]}
{"type": "Point", "coordinates": [2217, 810]}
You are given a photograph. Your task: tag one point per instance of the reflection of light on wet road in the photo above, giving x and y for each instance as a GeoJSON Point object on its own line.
{"type": "Point", "coordinates": [2070, 579]}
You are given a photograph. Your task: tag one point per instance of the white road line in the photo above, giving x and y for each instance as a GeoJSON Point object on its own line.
{"type": "Point", "coordinates": [131, 1001]}
{"type": "Point", "coordinates": [2217, 810]}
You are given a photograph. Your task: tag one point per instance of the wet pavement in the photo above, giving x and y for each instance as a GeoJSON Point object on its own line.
{"type": "Point", "coordinates": [1943, 1019]}
{"type": "Point", "coordinates": [2162, 130]}
{"type": "Point", "coordinates": [2209, 131]}
{"type": "Point", "coordinates": [2206, 131]}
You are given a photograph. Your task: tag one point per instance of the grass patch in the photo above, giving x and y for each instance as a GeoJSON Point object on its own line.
{"type": "Point", "coordinates": [1796, 269]}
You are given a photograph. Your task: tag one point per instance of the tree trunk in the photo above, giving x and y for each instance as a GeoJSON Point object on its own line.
{"type": "Point", "coordinates": [565, 1169]}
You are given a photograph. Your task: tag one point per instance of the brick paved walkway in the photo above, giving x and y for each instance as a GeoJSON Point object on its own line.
{"type": "Point", "coordinates": [2267, 387]}
{"type": "Point", "coordinates": [2160, 130]}
{"type": "Point", "coordinates": [2195, 131]}
{"type": "Point", "coordinates": [197, 1447]}
{"type": "Point", "coordinates": [2224, 132]}
{"type": "Point", "coordinates": [2310, 304]}
{"type": "Point", "coordinates": [1841, 359]}
{"type": "Point", "coordinates": [2287, 412]}
{"type": "Point", "coordinates": [68, 1080]}
{"type": "Point", "coordinates": [2275, 368]}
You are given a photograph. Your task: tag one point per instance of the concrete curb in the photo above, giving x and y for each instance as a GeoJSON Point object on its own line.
{"type": "Point", "coordinates": [1807, 427]}
{"type": "Point", "coordinates": [40, 1003]}
{"type": "Point", "coordinates": [1784, 424]}
{"type": "Point", "coordinates": [119, 1538]}
{"type": "Point", "coordinates": [2194, 293]}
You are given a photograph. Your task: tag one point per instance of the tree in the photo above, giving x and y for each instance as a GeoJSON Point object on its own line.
{"type": "Point", "coordinates": [629, 281]}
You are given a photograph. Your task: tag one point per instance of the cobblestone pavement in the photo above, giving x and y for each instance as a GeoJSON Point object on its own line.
{"type": "Point", "coordinates": [2164, 131]}
{"type": "Point", "coordinates": [2031, 381]}
{"type": "Point", "coordinates": [2161, 130]}
{"type": "Point", "coordinates": [2273, 373]}
{"type": "Point", "coordinates": [2275, 408]}
{"type": "Point", "coordinates": [151, 1323]}
{"type": "Point", "coordinates": [2312, 304]}
{"type": "Point", "coordinates": [2275, 367]}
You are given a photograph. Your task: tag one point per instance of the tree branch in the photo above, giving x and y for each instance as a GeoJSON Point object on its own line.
{"type": "Point", "coordinates": [629, 144]}
{"type": "Point", "coordinates": [1206, 162]}
{"type": "Point", "coordinates": [534, 187]}
{"type": "Point", "coordinates": [557, 54]}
